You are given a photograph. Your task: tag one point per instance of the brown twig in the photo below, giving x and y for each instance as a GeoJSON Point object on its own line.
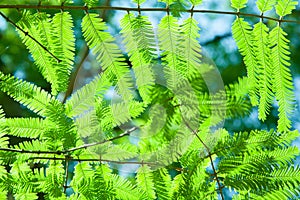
{"type": "Point", "coordinates": [126, 133]}
{"type": "Point", "coordinates": [195, 132]}
{"type": "Point", "coordinates": [68, 7]}
{"type": "Point", "coordinates": [95, 160]}
{"type": "Point", "coordinates": [74, 75]}
{"type": "Point", "coordinates": [79, 66]}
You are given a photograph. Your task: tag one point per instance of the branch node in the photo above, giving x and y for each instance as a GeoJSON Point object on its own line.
{"type": "Point", "coordinates": [192, 11]}
{"type": "Point", "coordinates": [139, 9]}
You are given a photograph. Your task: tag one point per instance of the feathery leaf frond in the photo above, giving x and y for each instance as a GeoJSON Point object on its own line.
{"type": "Point", "coordinates": [283, 84]}
{"type": "Point", "coordinates": [107, 53]}
{"type": "Point", "coordinates": [241, 31]}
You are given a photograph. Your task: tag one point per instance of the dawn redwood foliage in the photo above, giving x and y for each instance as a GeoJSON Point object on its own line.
{"type": "Point", "coordinates": [164, 116]}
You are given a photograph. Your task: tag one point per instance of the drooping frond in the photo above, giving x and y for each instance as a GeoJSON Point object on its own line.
{"type": "Point", "coordinates": [39, 25]}
{"type": "Point", "coordinates": [64, 46]}
{"type": "Point", "coordinates": [82, 180]}
{"type": "Point", "coordinates": [285, 7]}
{"type": "Point", "coordinates": [283, 84]}
{"type": "Point", "coordinates": [35, 98]}
{"type": "Point", "coordinates": [162, 181]}
{"type": "Point", "coordinates": [191, 47]}
{"type": "Point", "coordinates": [169, 41]}
{"type": "Point", "coordinates": [25, 127]}
{"type": "Point", "coordinates": [145, 182]}
{"type": "Point", "coordinates": [54, 180]}
{"type": "Point", "coordinates": [265, 5]}
{"type": "Point", "coordinates": [124, 189]}
{"type": "Point", "coordinates": [263, 53]}
{"type": "Point", "coordinates": [241, 31]}
{"type": "Point", "coordinates": [139, 41]}
{"type": "Point", "coordinates": [84, 98]}
{"type": "Point", "coordinates": [23, 175]}
{"type": "Point", "coordinates": [107, 53]}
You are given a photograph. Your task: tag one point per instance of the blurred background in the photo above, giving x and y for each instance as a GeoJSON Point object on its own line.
{"type": "Point", "coordinates": [216, 41]}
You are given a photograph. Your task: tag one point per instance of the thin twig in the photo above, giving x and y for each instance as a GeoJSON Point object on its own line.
{"type": "Point", "coordinates": [68, 7]}
{"type": "Point", "coordinates": [27, 34]}
{"type": "Point", "coordinates": [220, 187]}
{"type": "Point", "coordinates": [31, 151]}
{"type": "Point", "coordinates": [95, 160]}
{"type": "Point", "coordinates": [126, 133]}
{"type": "Point", "coordinates": [74, 75]}
{"type": "Point", "coordinates": [79, 66]}
{"type": "Point", "coordinates": [67, 159]}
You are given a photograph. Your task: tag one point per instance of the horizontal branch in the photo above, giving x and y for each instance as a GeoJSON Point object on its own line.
{"type": "Point", "coordinates": [69, 7]}
{"type": "Point", "coordinates": [126, 133]}
{"type": "Point", "coordinates": [31, 151]}
{"type": "Point", "coordinates": [95, 160]}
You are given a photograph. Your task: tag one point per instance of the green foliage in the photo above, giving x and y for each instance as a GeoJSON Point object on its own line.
{"type": "Point", "coordinates": [165, 119]}
{"type": "Point", "coordinates": [238, 4]}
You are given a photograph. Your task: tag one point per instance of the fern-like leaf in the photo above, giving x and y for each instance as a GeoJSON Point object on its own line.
{"type": "Point", "coordinates": [265, 5]}
{"type": "Point", "coordinates": [145, 182]}
{"type": "Point", "coordinates": [162, 181]}
{"type": "Point", "coordinates": [169, 40]}
{"type": "Point", "coordinates": [63, 46]}
{"type": "Point", "coordinates": [25, 127]}
{"type": "Point", "coordinates": [108, 53]}
{"type": "Point", "coordinates": [241, 31]}
{"type": "Point", "coordinates": [263, 53]}
{"type": "Point", "coordinates": [35, 98]}
{"type": "Point", "coordinates": [283, 84]}
{"type": "Point", "coordinates": [39, 26]}
{"type": "Point", "coordinates": [84, 98]}
{"type": "Point", "coordinates": [285, 7]}
{"type": "Point", "coordinates": [191, 46]}
{"type": "Point", "coordinates": [238, 4]}
{"type": "Point", "coordinates": [139, 41]}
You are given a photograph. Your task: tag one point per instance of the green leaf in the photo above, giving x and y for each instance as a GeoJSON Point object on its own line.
{"type": "Point", "coordinates": [26, 127]}
{"type": "Point", "coordinates": [33, 97]}
{"type": "Point", "coordinates": [107, 53]}
{"type": "Point", "coordinates": [39, 26]}
{"type": "Point", "coordinates": [285, 7]}
{"type": "Point", "coordinates": [84, 98]}
{"type": "Point", "coordinates": [263, 53]}
{"type": "Point", "coordinates": [265, 5]}
{"type": "Point", "coordinates": [238, 4]}
{"type": "Point", "coordinates": [139, 41]}
{"type": "Point", "coordinates": [63, 46]}
{"type": "Point", "coordinates": [169, 36]}
{"type": "Point", "coordinates": [242, 33]}
{"type": "Point", "coordinates": [145, 182]}
{"type": "Point", "coordinates": [283, 83]}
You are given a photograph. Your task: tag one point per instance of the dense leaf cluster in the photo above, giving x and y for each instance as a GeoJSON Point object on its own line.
{"type": "Point", "coordinates": [165, 117]}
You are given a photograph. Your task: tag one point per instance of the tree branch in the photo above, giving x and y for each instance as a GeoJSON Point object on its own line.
{"type": "Point", "coordinates": [28, 35]}
{"type": "Point", "coordinates": [220, 187]}
{"type": "Point", "coordinates": [126, 133]}
{"type": "Point", "coordinates": [69, 7]}
{"type": "Point", "coordinates": [95, 160]}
